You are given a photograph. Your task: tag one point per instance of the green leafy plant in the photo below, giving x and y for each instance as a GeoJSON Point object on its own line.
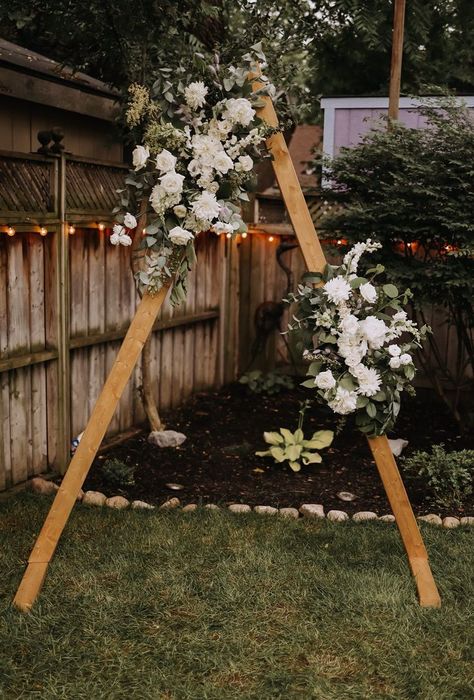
{"type": "Point", "coordinates": [117, 473]}
{"type": "Point", "coordinates": [447, 476]}
{"type": "Point", "coordinates": [260, 382]}
{"type": "Point", "coordinates": [293, 448]}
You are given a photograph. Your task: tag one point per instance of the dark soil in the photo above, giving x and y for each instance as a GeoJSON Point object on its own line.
{"type": "Point", "coordinates": [217, 463]}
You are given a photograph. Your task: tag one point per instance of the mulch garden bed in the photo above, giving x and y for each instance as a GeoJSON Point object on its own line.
{"type": "Point", "coordinates": [217, 463]}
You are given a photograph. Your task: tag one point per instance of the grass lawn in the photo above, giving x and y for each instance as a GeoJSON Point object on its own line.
{"type": "Point", "coordinates": [213, 605]}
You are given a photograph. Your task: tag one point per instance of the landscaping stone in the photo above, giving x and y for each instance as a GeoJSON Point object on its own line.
{"type": "Point", "coordinates": [175, 487]}
{"type": "Point", "coordinates": [467, 520]}
{"type": "Point", "coordinates": [451, 522]}
{"type": "Point", "coordinates": [166, 438]}
{"type": "Point", "coordinates": [266, 510]}
{"type": "Point", "coordinates": [289, 513]}
{"type": "Point", "coordinates": [94, 498]}
{"type": "Point", "coordinates": [346, 496]}
{"type": "Point", "coordinates": [118, 502]}
{"type": "Point", "coordinates": [170, 504]}
{"type": "Point", "coordinates": [337, 516]}
{"type": "Point", "coordinates": [389, 518]}
{"type": "Point", "coordinates": [431, 518]}
{"type": "Point", "coordinates": [363, 515]}
{"type": "Point", "coordinates": [312, 510]}
{"type": "Point", "coordinates": [43, 486]}
{"type": "Point", "coordinates": [211, 506]}
{"type": "Point", "coordinates": [142, 505]}
{"type": "Point", "coordinates": [239, 508]}
{"type": "Point", "coordinates": [190, 508]}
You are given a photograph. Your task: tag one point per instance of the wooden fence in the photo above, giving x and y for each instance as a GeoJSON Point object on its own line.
{"type": "Point", "coordinates": [67, 297]}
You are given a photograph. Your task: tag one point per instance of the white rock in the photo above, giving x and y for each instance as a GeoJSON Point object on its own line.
{"type": "Point", "coordinates": [170, 504]}
{"type": "Point", "coordinates": [239, 508]}
{"type": "Point", "coordinates": [166, 438]}
{"type": "Point", "coordinates": [397, 446]}
{"type": "Point", "coordinates": [265, 510]}
{"type": "Point", "coordinates": [364, 515]}
{"type": "Point", "coordinates": [337, 516]}
{"type": "Point", "coordinates": [43, 486]}
{"type": "Point", "coordinates": [389, 518]}
{"type": "Point", "coordinates": [211, 506]}
{"type": "Point", "coordinates": [346, 496]}
{"type": "Point", "coordinates": [190, 508]}
{"type": "Point", "coordinates": [431, 518]}
{"type": "Point", "coordinates": [289, 513]}
{"type": "Point", "coordinates": [142, 505]}
{"type": "Point", "coordinates": [312, 510]}
{"type": "Point", "coordinates": [451, 522]}
{"type": "Point", "coordinates": [118, 502]}
{"type": "Point", "coordinates": [467, 520]}
{"type": "Point", "coordinates": [94, 498]}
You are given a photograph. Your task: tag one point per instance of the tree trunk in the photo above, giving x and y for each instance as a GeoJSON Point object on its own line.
{"type": "Point", "coordinates": [138, 263]}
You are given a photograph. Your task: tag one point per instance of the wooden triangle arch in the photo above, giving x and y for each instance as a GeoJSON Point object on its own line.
{"type": "Point", "coordinates": [139, 330]}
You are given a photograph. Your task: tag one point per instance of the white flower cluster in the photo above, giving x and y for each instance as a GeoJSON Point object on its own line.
{"type": "Point", "coordinates": [357, 366]}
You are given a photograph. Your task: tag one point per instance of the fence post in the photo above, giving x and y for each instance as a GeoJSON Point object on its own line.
{"type": "Point", "coordinates": [63, 327]}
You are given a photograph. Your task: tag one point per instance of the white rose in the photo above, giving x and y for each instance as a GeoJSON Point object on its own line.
{"type": "Point", "coordinates": [344, 401]}
{"type": "Point", "coordinates": [405, 359]}
{"type": "Point", "coordinates": [239, 111]}
{"type": "Point", "coordinates": [349, 324]}
{"type": "Point", "coordinates": [130, 221]}
{"type": "Point", "coordinates": [394, 362]}
{"type": "Point", "coordinates": [165, 161]}
{"type": "Point", "coordinates": [195, 94]}
{"type": "Point", "coordinates": [369, 292]}
{"type": "Point", "coordinates": [156, 197]}
{"type": "Point", "coordinates": [172, 182]}
{"type": "Point", "coordinates": [206, 207]}
{"type": "Point", "coordinates": [222, 163]}
{"type": "Point", "coordinates": [220, 227]}
{"type": "Point", "coordinates": [246, 163]}
{"type": "Point", "coordinates": [337, 290]}
{"type": "Point", "coordinates": [140, 156]}
{"type": "Point", "coordinates": [394, 350]}
{"type": "Point", "coordinates": [180, 211]}
{"type": "Point", "coordinates": [400, 316]}
{"type": "Point", "coordinates": [119, 237]}
{"type": "Point", "coordinates": [180, 236]}
{"type": "Point", "coordinates": [325, 380]}
{"type": "Point", "coordinates": [194, 168]}
{"type": "Point", "coordinates": [374, 331]}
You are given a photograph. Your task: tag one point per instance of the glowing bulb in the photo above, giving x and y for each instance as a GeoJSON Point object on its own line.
{"type": "Point", "coordinates": [43, 231]}
{"type": "Point", "coordinates": [339, 242]}
{"type": "Point", "coordinates": [71, 230]}
{"type": "Point", "coordinates": [11, 231]}
{"type": "Point", "coordinates": [101, 227]}
{"type": "Point", "coordinates": [244, 234]}
{"type": "Point", "coordinates": [228, 235]}
{"type": "Point", "coordinates": [271, 238]}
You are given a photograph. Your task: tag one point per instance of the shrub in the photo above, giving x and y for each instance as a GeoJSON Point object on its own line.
{"type": "Point", "coordinates": [411, 190]}
{"type": "Point", "coordinates": [266, 383]}
{"type": "Point", "coordinates": [447, 476]}
{"type": "Point", "coordinates": [117, 473]}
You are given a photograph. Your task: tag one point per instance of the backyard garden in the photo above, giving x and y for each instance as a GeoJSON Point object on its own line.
{"type": "Point", "coordinates": [249, 467]}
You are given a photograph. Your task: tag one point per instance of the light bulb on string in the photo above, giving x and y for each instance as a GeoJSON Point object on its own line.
{"type": "Point", "coordinates": [244, 234]}
{"type": "Point", "coordinates": [71, 230]}
{"type": "Point", "coordinates": [43, 231]}
{"type": "Point", "coordinates": [228, 235]}
{"type": "Point", "coordinates": [11, 231]}
{"type": "Point", "coordinates": [271, 238]}
{"type": "Point", "coordinates": [101, 226]}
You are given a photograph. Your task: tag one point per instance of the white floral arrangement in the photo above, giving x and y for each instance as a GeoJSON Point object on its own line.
{"type": "Point", "coordinates": [359, 340]}
{"type": "Point", "coordinates": [193, 168]}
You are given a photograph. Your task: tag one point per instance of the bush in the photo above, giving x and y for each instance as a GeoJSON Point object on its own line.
{"type": "Point", "coordinates": [447, 476]}
{"type": "Point", "coordinates": [411, 189]}
{"type": "Point", "coordinates": [117, 473]}
{"type": "Point", "coordinates": [266, 383]}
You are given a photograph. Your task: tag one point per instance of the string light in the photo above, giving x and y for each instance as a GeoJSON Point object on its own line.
{"type": "Point", "coordinates": [11, 231]}
{"type": "Point", "coordinates": [271, 238]}
{"type": "Point", "coordinates": [43, 231]}
{"type": "Point", "coordinates": [244, 234]}
{"type": "Point", "coordinates": [71, 230]}
{"type": "Point", "coordinates": [101, 226]}
{"type": "Point", "coordinates": [228, 235]}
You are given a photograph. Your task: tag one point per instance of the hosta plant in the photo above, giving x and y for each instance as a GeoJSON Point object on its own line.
{"type": "Point", "coordinates": [294, 448]}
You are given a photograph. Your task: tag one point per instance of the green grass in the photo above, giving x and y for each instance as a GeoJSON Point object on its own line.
{"type": "Point", "coordinates": [214, 606]}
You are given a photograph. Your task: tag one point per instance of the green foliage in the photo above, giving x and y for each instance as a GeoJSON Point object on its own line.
{"type": "Point", "coordinates": [447, 476]}
{"type": "Point", "coordinates": [117, 473]}
{"type": "Point", "coordinates": [411, 189]}
{"type": "Point", "coordinates": [293, 448]}
{"type": "Point", "coordinates": [270, 383]}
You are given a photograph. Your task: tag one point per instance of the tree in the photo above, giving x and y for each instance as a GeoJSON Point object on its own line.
{"type": "Point", "coordinates": [411, 189]}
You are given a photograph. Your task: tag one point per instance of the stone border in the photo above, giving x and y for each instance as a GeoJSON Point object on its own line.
{"type": "Point", "coordinates": [307, 510]}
